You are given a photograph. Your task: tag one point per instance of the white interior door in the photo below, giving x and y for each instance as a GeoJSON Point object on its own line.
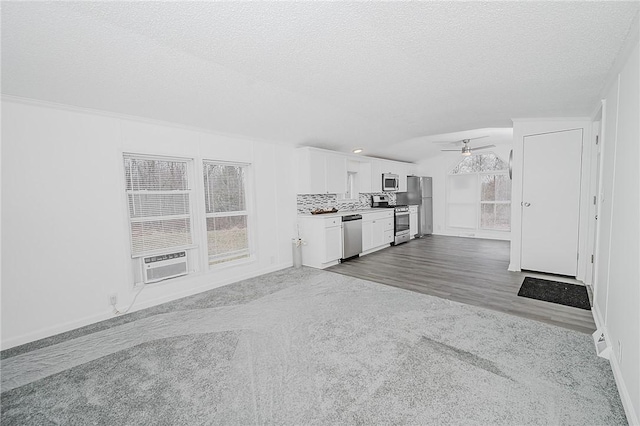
{"type": "Point", "coordinates": [551, 202]}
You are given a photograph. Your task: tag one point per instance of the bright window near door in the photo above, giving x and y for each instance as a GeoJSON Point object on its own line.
{"type": "Point", "coordinates": [479, 194]}
{"type": "Point", "coordinates": [158, 196]}
{"type": "Point", "coordinates": [226, 211]}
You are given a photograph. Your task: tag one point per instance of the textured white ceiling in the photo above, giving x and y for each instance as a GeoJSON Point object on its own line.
{"type": "Point", "coordinates": [380, 75]}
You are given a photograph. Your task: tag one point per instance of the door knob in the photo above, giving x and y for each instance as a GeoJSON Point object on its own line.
{"type": "Point", "coordinates": [526, 204]}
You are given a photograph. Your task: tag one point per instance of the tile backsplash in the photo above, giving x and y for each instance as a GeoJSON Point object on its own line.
{"type": "Point", "coordinates": [309, 202]}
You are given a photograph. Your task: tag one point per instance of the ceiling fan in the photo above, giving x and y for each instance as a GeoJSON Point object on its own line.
{"type": "Point", "coordinates": [466, 148]}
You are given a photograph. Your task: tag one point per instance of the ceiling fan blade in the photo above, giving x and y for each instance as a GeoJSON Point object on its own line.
{"type": "Point", "coordinates": [453, 150]}
{"type": "Point", "coordinates": [483, 147]}
{"type": "Point", "coordinates": [478, 137]}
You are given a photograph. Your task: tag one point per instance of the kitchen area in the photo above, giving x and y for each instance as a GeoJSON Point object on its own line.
{"type": "Point", "coordinates": [350, 206]}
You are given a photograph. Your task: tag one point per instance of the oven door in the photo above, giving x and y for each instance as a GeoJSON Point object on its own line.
{"type": "Point", "coordinates": [401, 222]}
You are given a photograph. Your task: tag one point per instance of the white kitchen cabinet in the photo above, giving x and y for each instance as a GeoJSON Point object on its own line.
{"type": "Point", "coordinates": [332, 243]}
{"type": "Point", "coordinates": [378, 233]}
{"type": "Point", "coordinates": [325, 172]}
{"type": "Point", "coordinates": [315, 168]}
{"type": "Point", "coordinates": [335, 173]}
{"type": "Point", "coordinates": [321, 172]}
{"type": "Point", "coordinates": [322, 238]}
{"type": "Point", "coordinates": [413, 221]}
{"type": "Point", "coordinates": [377, 230]}
{"type": "Point", "coordinates": [364, 177]}
{"type": "Point", "coordinates": [402, 171]}
{"type": "Point", "coordinates": [376, 175]}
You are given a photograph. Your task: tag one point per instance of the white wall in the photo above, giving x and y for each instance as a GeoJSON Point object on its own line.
{"type": "Point", "coordinates": [65, 241]}
{"type": "Point", "coordinates": [617, 277]}
{"type": "Point", "coordinates": [438, 168]}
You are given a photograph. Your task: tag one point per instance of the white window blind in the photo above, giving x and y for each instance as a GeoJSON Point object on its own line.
{"type": "Point", "coordinates": [159, 204]}
{"type": "Point", "coordinates": [226, 211]}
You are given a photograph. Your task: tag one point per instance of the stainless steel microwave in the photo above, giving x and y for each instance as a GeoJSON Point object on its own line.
{"type": "Point", "coordinates": [390, 182]}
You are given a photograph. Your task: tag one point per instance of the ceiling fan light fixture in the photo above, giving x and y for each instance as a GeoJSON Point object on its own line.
{"type": "Point", "coordinates": [466, 150]}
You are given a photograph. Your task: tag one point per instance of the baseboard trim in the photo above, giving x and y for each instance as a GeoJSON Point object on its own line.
{"type": "Point", "coordinates": [627, 403]}
{"type": "Point", "coordinates": [474, 234]}
{"type": "Point", "coordinates": [82, 322]}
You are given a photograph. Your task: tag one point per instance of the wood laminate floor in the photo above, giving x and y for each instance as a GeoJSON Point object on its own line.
{"type": "Point", "coordinates": [467, 270]}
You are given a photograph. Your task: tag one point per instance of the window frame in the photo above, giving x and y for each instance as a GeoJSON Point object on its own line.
{"type": "Point", "coordinates": [248, 213]}
{"type": "Point", "coordinates": [477, 203]}
{"type": "Point", "coordinates": [494, 203]}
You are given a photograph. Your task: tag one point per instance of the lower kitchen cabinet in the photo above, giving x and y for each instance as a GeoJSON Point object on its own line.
{"type": "Point", "coordinates": [322, 238]}
{"type": "Point", "coordinates": [332, 243]}
{"type": "Point", "coordinates": [413, 221]}
{"type": "Point", "coordinates": [377, 230]}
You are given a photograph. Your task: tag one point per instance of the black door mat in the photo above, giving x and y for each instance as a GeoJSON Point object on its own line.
{"type": "Point", "coordinates": [555, 292]}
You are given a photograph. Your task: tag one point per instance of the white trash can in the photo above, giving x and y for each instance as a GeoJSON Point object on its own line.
{"type": "Point", "coordinates": [297, 252]}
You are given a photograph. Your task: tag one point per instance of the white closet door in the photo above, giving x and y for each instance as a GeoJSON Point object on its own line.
{"type": "Point", "coordinates": [551, 202]}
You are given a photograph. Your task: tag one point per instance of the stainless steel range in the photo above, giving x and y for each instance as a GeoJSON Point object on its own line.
{"type": "Point", "coordinates": [401, 217]}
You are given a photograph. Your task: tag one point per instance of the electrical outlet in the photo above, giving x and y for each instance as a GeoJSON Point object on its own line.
{"type": "Point", "coordinates": [113, 299]}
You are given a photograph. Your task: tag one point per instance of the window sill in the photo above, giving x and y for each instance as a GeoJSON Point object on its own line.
{"type": "Point", "coordinates": [232, 263]}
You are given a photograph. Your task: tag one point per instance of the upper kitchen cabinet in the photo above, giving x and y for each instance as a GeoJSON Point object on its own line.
{"type": "Point", "coordinates": [321, 172]}
{"type": "Point", "coordinates": [376, 175]}
{"type": "Point", "coordinates": [327, 172]}
{"type": "Point", "coordinates": [402, 171]}
{"type": "Point", "coordinates": [336, 173]}
{"type": "Point", "coordinates": [364, 177]}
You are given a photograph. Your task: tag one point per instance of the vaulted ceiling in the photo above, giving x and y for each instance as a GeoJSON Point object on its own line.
{"type": "Point", "coordinates": [389, 77]}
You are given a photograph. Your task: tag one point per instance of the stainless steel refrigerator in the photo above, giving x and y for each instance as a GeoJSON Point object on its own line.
{"type": "Point", "coordinates": [419, 192]}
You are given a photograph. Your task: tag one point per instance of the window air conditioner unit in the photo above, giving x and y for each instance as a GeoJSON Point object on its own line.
{"type": "Point", "coordinates": [164, 266]}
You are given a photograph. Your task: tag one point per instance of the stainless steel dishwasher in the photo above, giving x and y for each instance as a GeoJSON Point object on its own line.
{"type": "Point", "coordinates": [351, 236]}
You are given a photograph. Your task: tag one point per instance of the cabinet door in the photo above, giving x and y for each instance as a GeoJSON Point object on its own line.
{"type": "Point", "coordinates": [336, 174]}
{"type": "Point", "coordinates": [333, 243]}
{"type": "Point", "coordinates": [402, 177]}
{"type": "Point", "coordinates": [367, 235]}
{"type": "Point", "coordinates": [317, 173]}
{"type": "Point", "coordinates": [413, 223]}
{"type": "Point", "coordinates": [376, 176]}
{"type": "Point", "coordinates": [377, 236]}
{"type": "Point", "coordinates": [364, 177]}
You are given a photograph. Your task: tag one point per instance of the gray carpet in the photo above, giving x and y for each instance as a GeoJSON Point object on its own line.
{"type": "Point", "coordinates": [311, 347]}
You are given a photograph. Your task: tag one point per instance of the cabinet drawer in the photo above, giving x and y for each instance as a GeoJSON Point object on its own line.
{"type": "Point", "coordinates": [388, 224]}
{"type": "Point", "coordinates": [332, 221]}
{"type": "Point", "coordinates": [378, 215]}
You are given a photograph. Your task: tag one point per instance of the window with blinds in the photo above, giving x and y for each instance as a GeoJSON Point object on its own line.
{"type": "Point", "coordinates": [158, 196]}
{"type": "Point", "coordinates": [226, 211]}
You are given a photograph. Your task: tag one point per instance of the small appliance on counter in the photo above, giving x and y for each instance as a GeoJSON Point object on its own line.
{"type": "Point", "coordinates": [401, 217]}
